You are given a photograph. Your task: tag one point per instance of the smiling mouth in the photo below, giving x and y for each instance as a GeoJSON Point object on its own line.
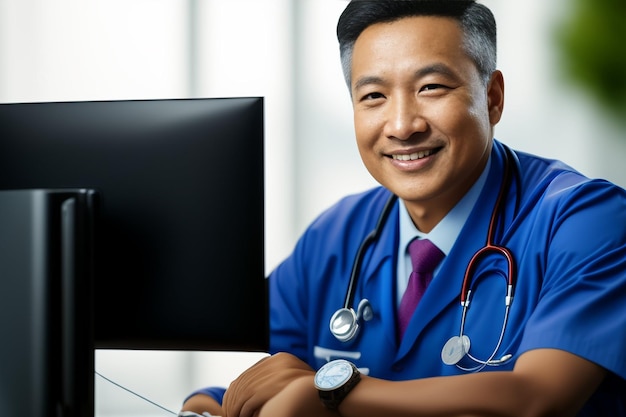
{"type": "Point", "coordinates": [415, 155]}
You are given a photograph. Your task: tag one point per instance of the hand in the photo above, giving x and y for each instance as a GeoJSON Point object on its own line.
{"type": "Point", "coordinates": [201, 403]}
{"type": "Point", "coordinates": [298, 399]}
{"type": "Point", "coordinates": [253, 388]}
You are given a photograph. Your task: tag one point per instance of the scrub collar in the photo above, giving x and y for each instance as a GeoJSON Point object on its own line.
{"type": "Point", "coordinates": [443, 235]}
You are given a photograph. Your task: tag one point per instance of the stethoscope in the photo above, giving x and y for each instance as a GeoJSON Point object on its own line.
{"type": "Point", "coordinates": [345, 322]}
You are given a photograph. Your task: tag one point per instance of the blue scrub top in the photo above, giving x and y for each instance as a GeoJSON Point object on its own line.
{"type": "Point", "coordinates": [568, 237]}
{"type": "Point", "coordinates": [567, 234]}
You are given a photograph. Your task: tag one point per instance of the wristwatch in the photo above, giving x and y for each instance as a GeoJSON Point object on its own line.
{"type": "Point", "coordinates": [335, 380]}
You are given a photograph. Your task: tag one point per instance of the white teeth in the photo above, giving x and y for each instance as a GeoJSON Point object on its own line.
{"type": "Point", "coordinates": [413, 156]}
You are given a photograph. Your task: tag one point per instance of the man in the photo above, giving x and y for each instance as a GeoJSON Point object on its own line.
{"type": "Point", "coordinates": [547, 313]}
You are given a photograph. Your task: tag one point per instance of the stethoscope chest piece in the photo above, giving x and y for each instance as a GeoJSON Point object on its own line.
{"type": "Point", "coordinates": [455, 349]}
{"type": "Point", "coordinates": [344, 324]}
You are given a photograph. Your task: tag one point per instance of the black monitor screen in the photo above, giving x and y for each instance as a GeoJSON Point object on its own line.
{"type": "Point", "coordinates": [179, 237]}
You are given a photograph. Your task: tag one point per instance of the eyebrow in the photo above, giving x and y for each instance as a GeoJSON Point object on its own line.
{"type": "Point", "coordinates": [363, 81]}
{"type": "Point", "coordinates": [437, 68]}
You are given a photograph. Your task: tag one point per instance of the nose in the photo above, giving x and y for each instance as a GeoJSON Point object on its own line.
{"type": "Point", "coordinates": [404, 118]}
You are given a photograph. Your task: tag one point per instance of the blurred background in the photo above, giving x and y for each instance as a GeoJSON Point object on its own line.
{"type": "Point", "coordinates": [564, 69]}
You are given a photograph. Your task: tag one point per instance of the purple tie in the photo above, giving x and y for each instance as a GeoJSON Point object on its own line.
{"type": "Point", "coordinates": [425, 257]}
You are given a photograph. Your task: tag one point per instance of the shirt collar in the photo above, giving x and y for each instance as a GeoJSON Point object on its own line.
{"type": "Point", "coordinates": [447, 230]}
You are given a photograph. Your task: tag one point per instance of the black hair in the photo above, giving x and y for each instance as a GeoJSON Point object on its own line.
{"type": "Point", "coordinates": [476, 21]}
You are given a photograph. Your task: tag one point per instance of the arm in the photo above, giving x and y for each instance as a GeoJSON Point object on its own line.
{"type": "Point", "coordinates": [545, 382]}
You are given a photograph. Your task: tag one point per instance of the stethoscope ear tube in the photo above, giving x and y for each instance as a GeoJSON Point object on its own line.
{"type": "Point", "coordinates": [367, 242]}
{"type": "Point", "coordinates": [344, 324]}
{"type": "Point", "coordinates": [458, 347]}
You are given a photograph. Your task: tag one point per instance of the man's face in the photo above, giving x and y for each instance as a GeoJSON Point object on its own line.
{"type": "Point", "coordinates": [423, 117]}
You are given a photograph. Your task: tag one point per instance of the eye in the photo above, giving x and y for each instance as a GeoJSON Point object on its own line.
{"type": "Point", "coordinates": [372, 96]}
{"type": "Point", "coordinates": [433, 87]}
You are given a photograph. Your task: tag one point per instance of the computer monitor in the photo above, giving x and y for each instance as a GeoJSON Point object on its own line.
{"type": "Point", "coordinates": [179, 232]}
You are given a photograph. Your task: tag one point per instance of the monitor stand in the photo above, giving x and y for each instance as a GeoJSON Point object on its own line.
{"type": "Point", "coordinates": [46, 303]}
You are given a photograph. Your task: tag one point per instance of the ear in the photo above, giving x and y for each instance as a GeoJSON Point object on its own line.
{"type": "Point", "coordinates": [495, 97]}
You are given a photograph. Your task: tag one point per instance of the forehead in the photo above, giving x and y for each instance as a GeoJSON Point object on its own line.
{"type": "Point", "coordinates": [418, 40]}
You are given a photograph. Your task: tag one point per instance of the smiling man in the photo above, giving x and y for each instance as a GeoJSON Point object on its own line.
{"type": "Point", "coordinates": [538, 249]}
{"type": "Point", "coordinates": [422, 113]}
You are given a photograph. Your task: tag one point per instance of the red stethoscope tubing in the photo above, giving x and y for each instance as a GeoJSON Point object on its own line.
{"type": "Point", "coordinates": [490, 247]}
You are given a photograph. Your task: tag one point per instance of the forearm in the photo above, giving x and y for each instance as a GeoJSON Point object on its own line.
{"type": "Point", "coordinates": [482, 395]}
{"type": "Point", "coordinates": [544, 383]}
{"type": "Point", "coordinates": [444, 396]}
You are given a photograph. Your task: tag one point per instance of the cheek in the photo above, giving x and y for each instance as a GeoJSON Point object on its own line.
{"type": "Point", "coordinates": [366, 130]}
{"type": "Point", "coordinates": [480, 113]}
{"type": "Point", "coordinates": [367, 134]}
{"type": "Point", "coordinates": [464, 120]}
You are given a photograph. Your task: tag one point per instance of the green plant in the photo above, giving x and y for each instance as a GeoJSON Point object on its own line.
{"type": "Point", "coordinates": [592, 41]}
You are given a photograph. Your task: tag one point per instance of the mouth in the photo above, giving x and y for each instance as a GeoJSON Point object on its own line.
{"type": "Point", "coordinates": [415, 155]}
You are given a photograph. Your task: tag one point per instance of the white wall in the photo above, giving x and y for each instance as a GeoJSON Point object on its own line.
{"type": "Point", "coordinates": [542, 114]}
{"type": "Point", "coordinates": [286, 51]}
{"type": "Point", "coordinates": [85, 50]}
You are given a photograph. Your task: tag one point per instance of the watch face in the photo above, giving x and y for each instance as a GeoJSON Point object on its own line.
{"type": "Point", "coordinates": [334, 374]}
